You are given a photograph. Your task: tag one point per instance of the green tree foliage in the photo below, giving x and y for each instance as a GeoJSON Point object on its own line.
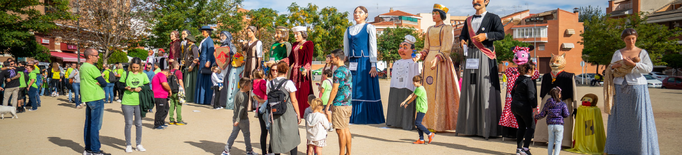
{"type": "Point", "coordinates": [20, 19]}
{"type": "Point", "coordinates": [325, 26]}
{"type": "Point", "coordinates": [673, 60]}
{"type": "Point", "coordinates": [178, 15]}
{"type": "Point", "coordinates": [503, 48]}
{"type": "Point", "coordinates": [586, 13]}
{"type": "Point", "coordinates": [388, 43]}
{"type": "Point", "coordinates": [138, 53]}
{"type": "Point", "coordinates": [264, 20]}
{"type": "Point", "coordinates": [601, 38]}
{"type": "Point", "coordinates": [116, 57]}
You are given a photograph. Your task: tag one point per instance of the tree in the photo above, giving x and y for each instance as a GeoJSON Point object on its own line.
{"type": "Point", "coordinates": [673, 60]}
{"type": "Point", "coordinates": [116, 57]}
{"type": "Point", "coordinates": [389, 42]}
{"type": "Point", "coordinates": [325, 26]}
{"type": "Point", "coordinates": [503, 48]}
{"type": "Point", "coordinates": [108, 25]}
{"type": "Point", "coordinates": [601, 38]}
{"type": "Point", "coordinates": [586, 13]}
{"type": "Point", "coordinates": [138, 53]}
{"type": "Point", "coordinates": [171, 15]}
{"type": "Point", "coordinates": [21, 19]}
{"type": "Point", "coordinates": [264, 20]}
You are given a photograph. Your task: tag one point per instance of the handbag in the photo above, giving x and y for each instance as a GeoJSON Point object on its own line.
{"type": "Point", "coordinates": [205, 70]}
{"type": "Point", "coordinates": [71, 81]}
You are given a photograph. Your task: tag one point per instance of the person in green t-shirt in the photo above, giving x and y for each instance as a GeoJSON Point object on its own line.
{"type": "Point", "coordinates": [130, 104]}
{"type": "Point", "coordinates": [93, 95]}
{"type": "Point", "coordinates": [326, 88]}
{"type": "Point", "coordinates": [22, 84]}
{"type": "Point", "coordinates": [33, 88]}
{"type": "Point", "coordinates": [118, 86]}
{"type": "Point", "coordinates": [109, 89]}
{"type": "Point", "coordinates": [422, 106]}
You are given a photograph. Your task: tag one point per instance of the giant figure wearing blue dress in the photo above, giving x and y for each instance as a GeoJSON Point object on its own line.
{"type": "Point", "coordinates": [360, 47]}
{"type": "Point", "coordinates": [203, 92]}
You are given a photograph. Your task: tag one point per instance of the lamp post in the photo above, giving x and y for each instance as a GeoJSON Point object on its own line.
{"type": "Point", "coordinates": [78, 30]}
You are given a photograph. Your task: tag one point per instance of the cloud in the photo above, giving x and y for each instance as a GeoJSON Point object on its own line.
{"type": "Point", "coordinates": [457, 7]}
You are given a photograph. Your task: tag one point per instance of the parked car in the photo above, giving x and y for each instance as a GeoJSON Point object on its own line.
{"type": "Point", "coordinates": [652, 82]}
{"type": "Point", "coordinates": [658, 75]}
{"type": "Point", "coordinates": [672, 82]}
{"type": "Point", "coordinates": [587, 77]}
{"type": "Point", "coordinates": [381, 74]}
{"type": "Point", "coordinates": [318, 71]}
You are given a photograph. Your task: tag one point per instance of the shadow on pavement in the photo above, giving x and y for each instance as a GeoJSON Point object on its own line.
{"type": "Point", "coordinates": [115, 142]}
{"type": "Point", "coordinates": [215, 147]}
{"type": "Point", "coordinates": [114, 111]}
{"type": "Point", "coordinates": [460, 147]}
{"type": "Point", "coordinates": [67, 105]}
{"type": "Point", "coordinates": [66, 143]}
{"type": "Point", "coordinates": [375, 138]}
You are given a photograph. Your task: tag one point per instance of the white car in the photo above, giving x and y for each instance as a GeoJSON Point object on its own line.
{"type": "Point", "coordinates": [586, 77]}
{"type": "Point", "coordinates": [658, 75]}
{"type": "Point", "coordinates": [652, 82]}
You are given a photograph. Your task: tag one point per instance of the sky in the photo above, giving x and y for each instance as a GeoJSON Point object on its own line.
{"type": "Point", "coordinates": [457, 7]}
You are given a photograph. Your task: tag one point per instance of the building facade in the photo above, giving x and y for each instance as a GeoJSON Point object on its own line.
{"type": "Point", "coordinates": [396, 18]}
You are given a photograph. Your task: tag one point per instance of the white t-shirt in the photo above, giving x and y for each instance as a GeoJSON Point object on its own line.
{"type": "Point", "coordinates": [403, 72]}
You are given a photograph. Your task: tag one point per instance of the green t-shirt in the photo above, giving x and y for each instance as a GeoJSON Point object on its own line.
{"type": "Point", "coordinates": [133, 81]}
{"type": "Point", "coordinates": [327, 85]}
{"type": "Point", "coordinates": [67, 73]}
{"type": "Point", "coordinates": [106, 75]}
{"type": "Point", "coordinates": [422, 103]}
{"type": "Point", "coordinates": [119, 72]}
{"type": "Point", "coordinates": [90, 89]}
{"type": "Point", "coordinates": [33, 76]}
{"type": "Point", "coordinates": [157, 71]}
{"type": "Point", "coordinates": [22, 80]}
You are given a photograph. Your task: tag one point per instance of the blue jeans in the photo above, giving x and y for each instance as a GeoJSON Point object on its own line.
{"type": "Point", "coordinates": [42, 90]}
{"type": "Point", "coordinates": [109, 92]}
{"type": "Point", "coordinates": [76, 94]}
{"type": "Point", "coordinates": [421, 128]}
{"type": "Point", "coordinates": [38, 94]}
{"type": "Point", "coordinates": [32, 95]}
{"type": "Point", "coordinates": [70, 95]}
{"type": "Point", "coordinates": [556, 134]}
{"type": "Point", "coordinates": [93, 123]}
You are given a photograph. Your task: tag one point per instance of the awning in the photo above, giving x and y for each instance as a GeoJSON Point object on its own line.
{"type": "Point", "coordinates": [567, 45]}
{"type": "Point", "coordinates": [570, 31]}
{"type": "Point", "coordinates": [67, 57]}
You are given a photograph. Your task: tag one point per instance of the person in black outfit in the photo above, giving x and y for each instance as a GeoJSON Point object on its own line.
{"type": "Point", "coordinates": [523, 106]}
{"type": "Point", "coordinates": [11, 79]}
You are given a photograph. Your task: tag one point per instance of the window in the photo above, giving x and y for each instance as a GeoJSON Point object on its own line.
{"type": "Point", "coordinates": [541, 47]}
{"type": "Point", "coordinates": [530, 32]}
{"type": "Point", "coordinates": [671, 80]}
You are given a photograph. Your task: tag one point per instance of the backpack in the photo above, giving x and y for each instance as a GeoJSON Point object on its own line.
{"type": "Point", "coordinates": [173, 82]}
{"type": "Point", "coordinates": [112, 77]}
{"type": "Point", "coordinates": [277, 98]}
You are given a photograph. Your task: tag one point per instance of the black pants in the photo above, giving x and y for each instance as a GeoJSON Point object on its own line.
{"type": "Point", "coordinates": [54, 85]}
{"type": "Point", "coordinates": [524, 116]}
{"type": "Point", "coordinates": [292, 152]}
{"type": "Point", "coordinates": [161, 111]}
{"type": "Point", "coordinates": [216, 96]}
{"type": "Point", "coordinates": [263, 135]}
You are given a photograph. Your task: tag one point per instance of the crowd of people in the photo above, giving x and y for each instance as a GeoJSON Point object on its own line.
{"type": "Point", "coordinates": [280, 90]}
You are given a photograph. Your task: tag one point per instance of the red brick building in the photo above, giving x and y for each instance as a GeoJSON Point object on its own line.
{"type": "Point", "coordinates": [395, 18]}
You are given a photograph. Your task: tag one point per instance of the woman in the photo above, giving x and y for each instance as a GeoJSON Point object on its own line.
{"type": "Point", "coordinates": [284, 136]}
{"type": "Point", "coordinates": [204, 93]}
{"type": "Point", "coordinates": [76, 85]}
{"type": "Point", "coordinates": [226, 41]}
{"type": "Point", "coordinates": [190, 61]}
{"type": "Point", "coordinates": [264, 116]}
{"type": "Point", "coordinates": [439, 74]}
{"type": "Point", "coordinates": [360, 44]}
{"type": "Point", "coordinates": [300, 60]}
{"type": "Point", "coordinates": [631, 125]}
{"type": "Point", "coordinates": [253, 50]}
{"type": "Point", "coordinates": [130, 105]}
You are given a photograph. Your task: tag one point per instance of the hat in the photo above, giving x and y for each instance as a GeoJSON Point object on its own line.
{"type": "Point", "coordinates": [206, 28]}
{"type": "Point", "coordinates": [191, 38]}
{"type": "Point", "coordinates": [440, 7]}
{"type": "Point", "coordinates": [253, 28]}
{"type": "Point", "coordinates": [299, 28]}
{"type": "Point", "coordinates": [282, 28]}
{"type": "Point", "coordinates": [410, 39]}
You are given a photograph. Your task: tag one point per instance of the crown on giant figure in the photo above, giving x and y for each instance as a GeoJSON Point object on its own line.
{"type": "Point", "coordinates": [440, 7]}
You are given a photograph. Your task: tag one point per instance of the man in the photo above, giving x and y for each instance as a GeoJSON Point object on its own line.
{"type": "Point", "coordinates": [481, 84]}
{"type": "Point", "coordinates": [161, 92]}
{"type": "Point", "coordinates": [39, 80]}
{"type": "Point", "coordinates": [119, 86]}
{"type": "Point", "coordinates": [149, 72]}
{"type": "Point", "coordinates": [341, 93]}
{"type": "Point", "coordinates": [92, 84]}
{"type": "Point", "coordinates": [11, 79]}
{"type": "Point", "coordinates": [21, 70]}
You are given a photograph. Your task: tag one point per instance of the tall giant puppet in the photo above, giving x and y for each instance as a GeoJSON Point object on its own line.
{"type": "Point", "coordinates": [300, 61]}
{"type": "Point", "coordinates": [401, 87]}
{"type": "Point", "coordinates": [281, 48]}
{"type": "Point", "coordinates": [507, 120]}
{"type": "Point", "coordinates": [204, 93]}
{"type": "Point", "coordinates": [564, 80]}
{"type": "Point", "coordinates": [480, 104]}
{"type": "Point", "coordinates": [360, 44]}
{"type": "Point", "coordinates": [440, 80]}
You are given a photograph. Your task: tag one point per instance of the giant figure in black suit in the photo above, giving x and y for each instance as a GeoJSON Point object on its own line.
{"type": "Point", "coordinates": [480, 104]}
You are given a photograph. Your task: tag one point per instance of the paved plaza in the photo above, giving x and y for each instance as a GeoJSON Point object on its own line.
{"type": "Point", "coordinates": [57, 128]}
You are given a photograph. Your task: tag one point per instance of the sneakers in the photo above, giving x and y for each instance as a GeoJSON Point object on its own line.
{"type": "Point", "coordinates": [523, 151]}
{"type": "Point", "coordinates": [431, 137]}
{"type": "Point", "coordinates": [85, 152]}
{"type": "Point", "coordinates": [100, 153]}
{"type": "Point", "coordinates": [159, 128]}
{"type": "Point", "coordinates": [172, 123]}
{"type": "Point", "coordinates": [251, 153]}
{"type": "Point", "coordinates": [180, 123]}
{"type": "Point", "coordinates": [218, 108]}
{"type": "Point", "coordinates": [129, 149]}
{"type": "Point", "coordinates": [140, 148]}
{"type": "Point", "coordinates": [32, 109]}
{"type": "Point", "coordinates": [418, 142]}
{"type": "Point", "coordinates": [119, 101]}
{"type": "Point", "coordinates": [79, 106]}
{"type": "Point", "coordinates": [225, 153]}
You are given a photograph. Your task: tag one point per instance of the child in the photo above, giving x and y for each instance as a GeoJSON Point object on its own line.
{"type": "Point", "coordinates": [556, 111]}
{"type": "Point", "coordinates": [317, 125]}
{"type": "Point", "coordinates": [217, 83]}
{"type": "Point", "coordinates": [422, 107]}
{"type": "Point", "coordinates": [326, 88]}
{"type": "Point", "coordinates": [240, 119]}
{"type": "Point", "coordinates": [523, 105]}
{"type": "Point", "coordinates": [259, 88]}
